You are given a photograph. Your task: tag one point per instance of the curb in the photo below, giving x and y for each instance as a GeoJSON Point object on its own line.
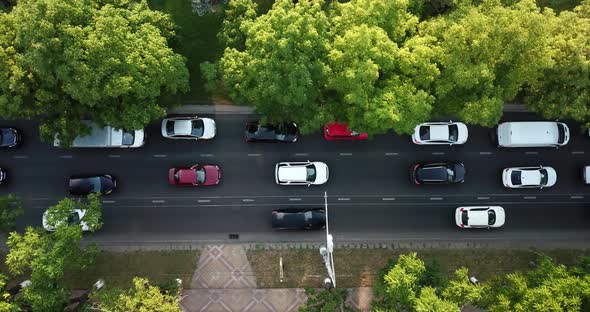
{"type": "Point", "coordinates": [392, 245]}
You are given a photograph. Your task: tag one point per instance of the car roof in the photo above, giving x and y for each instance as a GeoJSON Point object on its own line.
{"type": "Point", "coordinates": [439, 132]}
{"type": "Point", "coordinates": [433, 173]}
{"type": "Point", "coordinates": [338, 129]}
{"type": "Point", "coordinates": [532, 132]}
{"type": "Point", "coordinates": [478, 217]}
{"type": "Point", "coordinates": [293, 173]}
{"type": "Point", "coordinates": [530, 177]}
{"type": "Point", "coordinates": [183, 127]}
{"type": "Point", "coordinates": [187, 176]}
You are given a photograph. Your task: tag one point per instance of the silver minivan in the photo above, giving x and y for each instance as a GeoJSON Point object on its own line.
{"type": "Point", "coordinates": [532, 134]}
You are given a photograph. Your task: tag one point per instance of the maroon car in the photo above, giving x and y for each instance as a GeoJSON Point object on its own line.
{"type": "Point", "coordinates": [196, 175]}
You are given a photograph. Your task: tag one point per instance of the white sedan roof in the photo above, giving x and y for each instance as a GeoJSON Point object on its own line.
{"type": "Point", "coordinates": [293, 173]}
{"type": "Point", "coordinates": [530, 177]}
{"type": "Point", "coordinates": [183, 127]}
{"type": "Point", "coordinates": [439, 132]}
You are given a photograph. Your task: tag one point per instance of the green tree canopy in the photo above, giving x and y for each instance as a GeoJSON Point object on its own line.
{"type": "Point", "coordinates": [487, 54]}
{"type": "Point", "coordinates": [107, 61]}
{"type": "Point", "coordinates": [47, 256]}
{"type": "Point", "coordinates": [141, 297]}
{"type": "Point", "coordinates": [282, 68]}
{"type": "Point", "coordinates": [564, 89]}
{"type": "Point", "coordinates": [10, 209]}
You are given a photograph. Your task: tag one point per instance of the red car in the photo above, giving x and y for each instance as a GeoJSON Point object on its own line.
{"type": "Point", "coordinates": [338, 131]}
{"type": "Point", "coordinates": [196, 175]}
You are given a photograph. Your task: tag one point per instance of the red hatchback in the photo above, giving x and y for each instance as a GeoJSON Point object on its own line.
{"type": "Point", "coordinates": [196, 175]}
{"type": "Point", "coordinates": [338, 131]}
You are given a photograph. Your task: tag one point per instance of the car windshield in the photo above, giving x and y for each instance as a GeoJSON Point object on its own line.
{"type": "Point", "coordinates": [94, 184]}
{"type": "Point", "coordinates": [560, 134]}
{"type": "Point", "coordinates": [424, 133]}
{"type": "Point", "coordinates": [170, 127]}
{"type": "Point", "coordinates": [311, 173]}
{"type": "Point", "coordinates": [453, 133]}
{"type": "Point", "coordinates": [491, 217]}
{"type": "Point", "coordinates": [450, 174]}
{"type": "Point", "coordinates": [197, 127]}
{"type": "Point", "coordinates": [200, 175]}
{"type": "Point", "coordinates": [516, 177]}
{"type": "Point", "coordinates": [544, 178]}
{"type": "Point", "coordinates": [73, 218]}
{"type": "Point", "coordinates": [128, 138]}
{"type": "Point", "coordinates": [464, 217]}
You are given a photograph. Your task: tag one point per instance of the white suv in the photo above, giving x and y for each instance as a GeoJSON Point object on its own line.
{"type": "Point", "coordinates": [301, 173]}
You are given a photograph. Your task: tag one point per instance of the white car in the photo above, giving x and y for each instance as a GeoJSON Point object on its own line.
{"type": "Point", "coordinates": [74, 218]}
{"type": "Point", "coordinates": [480, 217]}
{"type": "Point", "coordinates": [440, 133]}
{"type": "Point", "coordinates": [301, 173]}
{"type": "Point", "coordinates": [529, 177]}
{"type": "Point", "coordinates": [190, 128]}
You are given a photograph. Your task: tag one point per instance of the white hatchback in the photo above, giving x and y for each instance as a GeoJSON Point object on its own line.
{"type": "Point", "coordinates": [440, 133]}
{"type": "Point", "coordinates": [480, 217]}
{"type": "Point", "coordinates": [301, 173]}
{"type": "Point", "coordinates": [74, 218]}
{"type": "Point", "coordinates": [189, 128]}
{"type": "Point", "coordinates": [529, 177]}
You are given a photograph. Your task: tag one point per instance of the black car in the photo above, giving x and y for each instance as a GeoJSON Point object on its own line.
{"type": "Point", "coordinates": [299, 219]}
{"type": "Point", "coordinates": [438, 173]}
{"type": "Point", "coordinates": [9, 137]}
{"type": "Point", "coordinates": [83, 185]}
{"type": "Point", "coordinates": [285, 132]}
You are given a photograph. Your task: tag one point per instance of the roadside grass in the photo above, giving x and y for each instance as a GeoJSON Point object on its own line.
{"type": "Point", "coordinates": [360, 267]}
{"type": "Point", "coordinates": [119, 268]}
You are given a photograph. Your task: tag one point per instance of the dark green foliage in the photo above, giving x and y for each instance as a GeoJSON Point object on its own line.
{"type": "Point", "coordinates": [10, 209]}
{"type": "Point", "coordinates": [325, 300]}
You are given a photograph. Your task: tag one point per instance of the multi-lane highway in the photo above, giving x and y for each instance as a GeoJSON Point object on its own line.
{"type": "Point", "coordinates": [370, 195]}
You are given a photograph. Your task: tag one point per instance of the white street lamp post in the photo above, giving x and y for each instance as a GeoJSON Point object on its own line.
{"type": "Point", "coordinates": [327, 251]}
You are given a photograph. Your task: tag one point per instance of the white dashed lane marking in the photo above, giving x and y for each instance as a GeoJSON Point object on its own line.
{"type": "Point", "coordinates": [158, 201]}
{"type": "Point", "coordinates": [388, 198]}
{"type": "Point", "coordinates": [160, 155]}
{"type": "Point", "coordinates": [66, 156]}
{"type": "Point", "coordinates": [345, 154]}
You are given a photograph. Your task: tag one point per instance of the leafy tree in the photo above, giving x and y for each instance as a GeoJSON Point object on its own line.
{"type": "Point", "coordinates": [48, 256]}
{"type": "Point", "coordinates": [374, 95]}
{"type": "Point", "coordinates": [325, 300]}
{"type": "Point", "coordinates": [488, 53]}
{"type": "Point", "coordinates": [460, 290]}
{"type": "Point", "coordinates": [282, 69]}
{"type": "Point", "coordinates": [10, 209]}
{"type": "Point", "coordinates": [548, 287]}
{"type": "Point", "coordinates": [429, 301]}
{"type": "Point", "coordinates": [238, 15]}
{"type": "Point", "coordinates": [107, 61]}
{"type": "Point", "coordinates": [564, 89]}
{"type": "Point", "coordinates": [141, 297]}
{"type": "Point", "coordinates": [6, 301]}
{"type": "Point", "coordinates": [403, 280]}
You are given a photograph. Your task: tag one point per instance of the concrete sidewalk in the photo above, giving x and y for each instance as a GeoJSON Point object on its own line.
{"type": "Point", "coordinates": [224, 281]}
{"type": "Point", "coordinates": [221, 109]}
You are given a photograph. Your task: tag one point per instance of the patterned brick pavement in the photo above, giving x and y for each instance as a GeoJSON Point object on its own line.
{"type": "Point", "coordinates": [224, 282]}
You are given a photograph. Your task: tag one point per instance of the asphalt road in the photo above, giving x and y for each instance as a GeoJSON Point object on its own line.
{"type": "Point", "coordinates": [370, 195]}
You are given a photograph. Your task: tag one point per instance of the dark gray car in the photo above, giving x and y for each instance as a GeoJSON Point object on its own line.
{"type": "Point", "coordinates": [84, 185]}
{"type": "Point", "coordinates": [438, 173]}
{"type": "Point", "coordinates": [299, 219]}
